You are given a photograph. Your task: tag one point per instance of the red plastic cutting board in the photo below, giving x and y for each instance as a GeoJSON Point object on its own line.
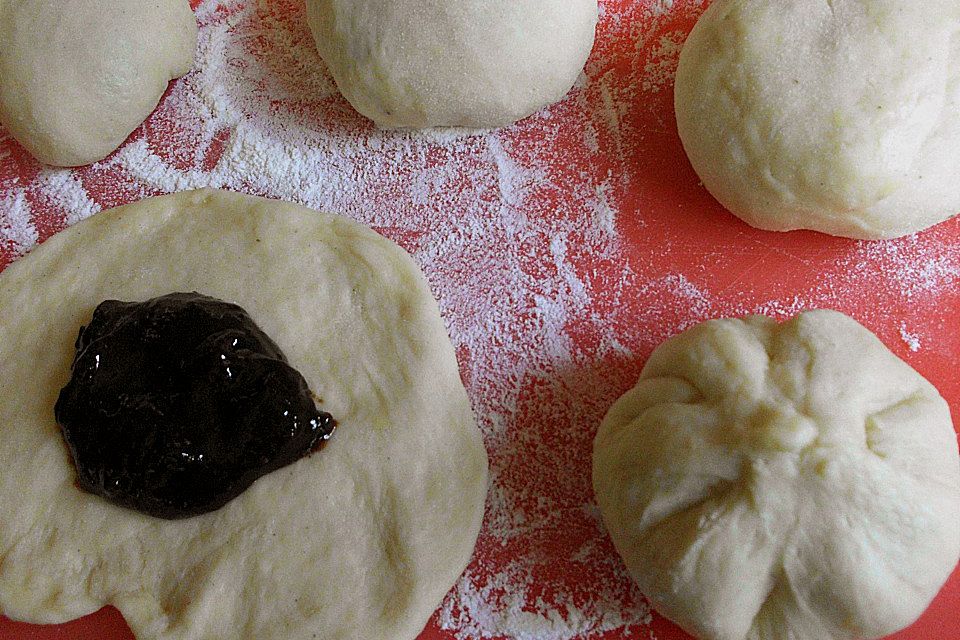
{"type": "Point", "coordinates": [689, 259]}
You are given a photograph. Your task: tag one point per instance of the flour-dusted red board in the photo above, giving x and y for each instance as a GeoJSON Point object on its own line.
{"type": "Point", "coordinates": [562, 250]}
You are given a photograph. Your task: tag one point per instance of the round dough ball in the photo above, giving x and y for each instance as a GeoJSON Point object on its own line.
{"type": "Point", "coordinates": [842, 116]}
{"type": "Point", "coordinates": [771, 482]}
{"type": "Point", "coordinates": [469, 63]}
{"type": "Point", "coordinates": [359, 540]}
{"type": "Point", "coordinates": [78, 76]}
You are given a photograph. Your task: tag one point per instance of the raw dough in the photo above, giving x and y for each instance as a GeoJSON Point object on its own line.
{"type": "Point", "coordinates": [78, 76]}
{"type": "Point", "coordinates": [361, 540]}
{"type": "Point", "coordinates": [839, 116]}
{"type": "Point", "coordinates": [782, 482]}
{"type": "Point", "coordinates": [469, 63]}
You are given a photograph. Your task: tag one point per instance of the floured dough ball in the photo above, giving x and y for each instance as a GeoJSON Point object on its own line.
{"type": "Point", "coordinates": [782, 482]}
{"type": "Point", "coordinates": [360, 540]}
{"type": "Point", "coordinates": [78, 76]}
{"type": "Point", "coordinates": [470, 63]}
{"type": "Point", "coordinates": [842, 116]}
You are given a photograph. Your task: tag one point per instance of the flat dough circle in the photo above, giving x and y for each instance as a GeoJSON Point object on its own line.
{"type": "Point", "coordinates": [840, 116]}
{"type": "Point", "coordinates": [77, 77]}
{"type": "Point", "coordinates": [468, 63]}
{"type": "Point", "coordinates": [361, 540]}
{"type": "Point", "coordinates": [768, 481]}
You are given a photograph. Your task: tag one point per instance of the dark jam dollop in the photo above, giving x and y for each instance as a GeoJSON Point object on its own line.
{"type": "Point", "coordinates": [176, 405]}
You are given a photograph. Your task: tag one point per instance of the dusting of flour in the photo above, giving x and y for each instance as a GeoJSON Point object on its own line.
{"type": "Point", "coordinates": [548, 245]}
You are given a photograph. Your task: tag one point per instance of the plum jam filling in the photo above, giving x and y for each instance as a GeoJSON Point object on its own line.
{"type": "Point", "coordinates": [178, 404]}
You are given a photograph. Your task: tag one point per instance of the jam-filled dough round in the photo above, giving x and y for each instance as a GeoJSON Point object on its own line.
{"type": "Point", "coordinates": [360, 540]}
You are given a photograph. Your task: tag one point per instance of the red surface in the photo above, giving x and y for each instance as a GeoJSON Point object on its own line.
{"type": "Point", "coordinates": [669, 225]}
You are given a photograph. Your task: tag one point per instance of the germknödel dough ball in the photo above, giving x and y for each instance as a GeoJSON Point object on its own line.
{"type": "Point", "coordinates": [468, 63]}
{"type": "Point", "coordinates": [78, 76]}
{"type": "Point", "coordinates": [842, 116]}
{"type": "Point", "coordinates": [791, 481]}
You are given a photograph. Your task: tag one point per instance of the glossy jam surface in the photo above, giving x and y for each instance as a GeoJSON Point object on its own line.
{"type": "Point", "coordinates": [176, 405]}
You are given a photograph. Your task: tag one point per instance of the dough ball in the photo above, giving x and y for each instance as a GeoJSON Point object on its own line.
{"type": "Point", "coordinates": [78, 76]}
{"type": "Point", "coordinates": [770, 481]}
{"type": "Point", "coordinates": [841, 116]}
{"type": "Point", "coordinates": [360, 540]}
{"type": "Point", "coordinates": [469, 63]}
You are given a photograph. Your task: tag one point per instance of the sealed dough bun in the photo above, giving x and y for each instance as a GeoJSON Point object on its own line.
{"type": "Point", "coordinates": [78, 76]}
{"type": "Point", "coordinates": [782, 482]}
{"type": "Point", "coordinates": [468, 63]}
{"type": "Point", "coordinates": [842, 116]}
{"type": "Point", "coordinates": [360, 540]}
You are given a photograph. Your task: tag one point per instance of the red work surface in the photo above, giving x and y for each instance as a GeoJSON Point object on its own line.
{"type": "Point", "coordinates": [687, 260]}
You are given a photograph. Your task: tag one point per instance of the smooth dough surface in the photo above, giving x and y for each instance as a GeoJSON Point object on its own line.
{"type": "Point", "coordinates": [359, 541]}
{"type": "Point", "coordinates": [791, 481]}
{"type": "Point", "coordinates": [840, 116]}
{"type": "Point", "coordinates": [470, 63]}
{"type": "Point", "coordinates": [78, 76]}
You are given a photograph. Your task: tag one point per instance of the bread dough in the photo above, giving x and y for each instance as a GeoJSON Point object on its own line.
{"type": "Point", "coordinates": [76, 78]}
{"type": "Point", "coordinates": [840, 116]}
{"type": "Point", "coordinates": [470, 63]}
{"type": "Point", "coordinates": [361, 540]}
{"type": "Point", "coordinates": [773, 482]}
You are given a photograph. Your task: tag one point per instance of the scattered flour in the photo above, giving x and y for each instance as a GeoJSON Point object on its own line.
{"type": "Point", "coordinates": [551, 306]}
{"type": "Point", "coordinates": [912, 340]}
{"type": "Point", "coordinates": [662, 63]}
{"type": "Point", "coordinates": [16, 228]}
{"type": "Point", "coordinates": [63, 190]}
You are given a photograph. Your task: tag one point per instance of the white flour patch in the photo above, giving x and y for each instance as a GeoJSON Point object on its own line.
{"type": "Point", "coordinates": [660, 7]}
{"type": "Point", "coordinates": [661, 67]}
{"type": "Point", "coordinates": [551, 309]}
{"type": "Point", "coordinates": [499, 220]}
{"type": "Point", "coordinates": [603, 213]}
{"type": "Point", "coordinates": [62, 190]}
{"type": "Point", "coordinates": [17, 227]}
{"type": "Point", "coordinates": [468, 610]}
{"type": "Point", "coordinates": [912, 340]}
{"type": "Point", "coordinates": [917, 265]}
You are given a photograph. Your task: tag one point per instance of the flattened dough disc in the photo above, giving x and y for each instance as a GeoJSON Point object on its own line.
{"type": "Point", "coordinates": [360, 540]}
